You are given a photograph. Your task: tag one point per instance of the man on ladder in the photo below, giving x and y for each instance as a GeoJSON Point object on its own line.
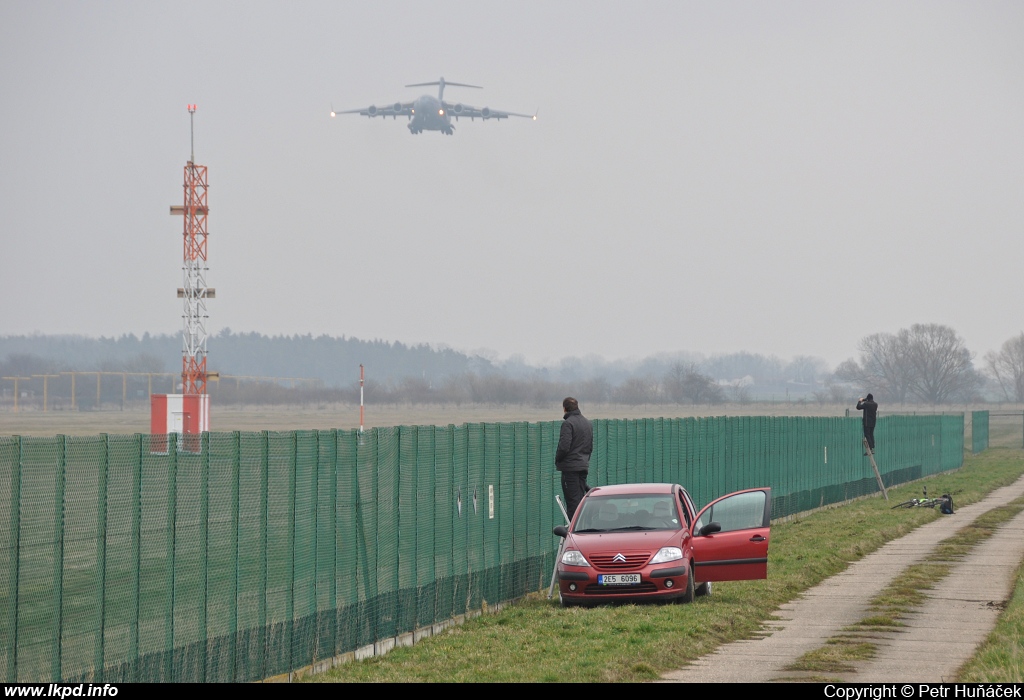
{"type": "Point", "coordinates": [870, 408]}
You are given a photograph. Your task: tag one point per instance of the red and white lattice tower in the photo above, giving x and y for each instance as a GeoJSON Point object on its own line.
{"type": "Point", "coordinates": [188, 413]}
{"type": "Point", "coordinates": [194, 292]}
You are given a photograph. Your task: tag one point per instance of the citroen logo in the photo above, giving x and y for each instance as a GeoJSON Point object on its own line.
{"type": "Point", "coordinates": [619, 558]}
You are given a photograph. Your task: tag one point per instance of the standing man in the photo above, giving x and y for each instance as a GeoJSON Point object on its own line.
{"type": "Point", "coordinates": [572, 457]}
{"type": "Point", "coordinates": [870, 409]}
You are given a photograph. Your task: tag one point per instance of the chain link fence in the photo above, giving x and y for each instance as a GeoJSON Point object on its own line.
{"type": "Point", "coordinates": [248, 555]}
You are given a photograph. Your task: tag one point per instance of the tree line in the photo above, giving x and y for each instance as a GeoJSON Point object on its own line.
{"type": "Point", "coordinates": [925, 363]}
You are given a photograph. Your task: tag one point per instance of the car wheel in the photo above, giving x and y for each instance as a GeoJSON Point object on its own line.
{"type": "Point", "coordinates": [703, 589]}
{"type": "Point", "coordinates": [687, 596]}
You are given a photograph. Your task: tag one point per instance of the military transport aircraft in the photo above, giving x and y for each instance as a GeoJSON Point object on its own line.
{"type": "Point", "coordinates": [429, 113]}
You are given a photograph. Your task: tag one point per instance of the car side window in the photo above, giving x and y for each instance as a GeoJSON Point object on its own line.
{"type": "Point", "coordinates": [687, 515]}
{"type": "Point", "coordinates": [740, 512]}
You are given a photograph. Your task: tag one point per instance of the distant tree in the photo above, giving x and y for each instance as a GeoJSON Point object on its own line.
{"type": "Point", "coordinates": [884, 368]}
{"type": "Point", "coordinates": [805, 369]}
{"type": "Point", "coordinates": [684, 383]}
{"type": "Point", "coordinates": [636, 391]}
{"type": "Point", "coordinates": [595, 390]}
{"type": "Point", "coordinates": [942, 366]}
{"type": "Point", "coordinates": [928, 362]}
{"type": "Point", "coordinates": [742, 364]}
{"type": "Point", "coordinates": [24, 365]}
{"type": "Point", "coordinates": [415, 390]}
{"type": "Point", "coordinates": [1007, 368]}
{"type": "Point", "coordinates": [740, 393]}
{"type": "Point", "coordinates": [674, 382]}
{"type": "Point", "coordinates": [834, 392]}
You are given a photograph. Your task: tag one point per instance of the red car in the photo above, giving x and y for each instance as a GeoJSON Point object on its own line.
{"type": "Point", "coordinates": [637, 542]}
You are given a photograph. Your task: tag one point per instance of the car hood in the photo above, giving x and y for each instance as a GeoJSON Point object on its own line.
{"type": "Point", "coordinates": [643, 539]}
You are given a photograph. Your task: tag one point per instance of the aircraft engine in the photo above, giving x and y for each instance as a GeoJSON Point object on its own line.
{"type": "Point", "coordinates": [371, 110]}
{"type": "Point", "coordinates": [397, 107]}
{"type": "Point", "coordinates": [457, 109]}
{"type": "Point", "coordinates": [485, 112]}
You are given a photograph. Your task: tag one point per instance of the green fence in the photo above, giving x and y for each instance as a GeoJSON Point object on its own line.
{"type": "Point", "coordinates": [979, 431]}
{"type": "Point", "coordinates": [260, 553]}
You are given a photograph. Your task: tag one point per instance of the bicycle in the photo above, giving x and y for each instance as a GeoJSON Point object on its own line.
{"type": "Point", "coordinates": [943, 501]}
{"type": "Point", "coordinates": [919, 503]}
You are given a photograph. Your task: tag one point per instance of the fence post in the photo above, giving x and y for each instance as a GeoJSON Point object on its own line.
{"type": "Point", "coordinates": [204, 523]}
{"type": "Point", "coordinates": [62, 467]}
{"type": "Point", "coordinates": [235, 490]}
{"type": "Point", "coordinates": [144, 443]}
{"type": "Point", "coordinates": [16, 527]}
{"type": "Point", "coordinates": [102, 555]}
{"type": "Point", "coordinates": [264, 497]}
{"type": "Point", "coordinates": [172, 496]}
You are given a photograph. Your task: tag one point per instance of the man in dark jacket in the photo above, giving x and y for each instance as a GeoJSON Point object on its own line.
{"type": "Point", "coordinates": [870, 408]}
{"type": "Point", "coordinates": [572, 457]}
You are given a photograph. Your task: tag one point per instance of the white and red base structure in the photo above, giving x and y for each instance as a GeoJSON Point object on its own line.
{"type": "Point", "coordinates": [178, 414]}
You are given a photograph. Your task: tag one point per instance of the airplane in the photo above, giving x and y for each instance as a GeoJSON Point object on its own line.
{"type": "Point", "coordinates": [429, 113]}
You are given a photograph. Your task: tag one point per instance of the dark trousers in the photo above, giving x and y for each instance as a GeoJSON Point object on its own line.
{"type": "Point", "coordinates": [869, 434]}
{"type": "Point", "coordinates": [574, 485]}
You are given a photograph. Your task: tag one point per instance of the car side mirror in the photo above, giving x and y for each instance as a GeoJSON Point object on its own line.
{"type": "Point", "coordinates": [560, 530]}
{"type": "Point", "coordinates": [710, 528]}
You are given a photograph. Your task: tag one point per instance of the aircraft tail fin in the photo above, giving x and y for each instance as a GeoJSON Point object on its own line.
{"type": "Point", "coordinates": [442, 82]}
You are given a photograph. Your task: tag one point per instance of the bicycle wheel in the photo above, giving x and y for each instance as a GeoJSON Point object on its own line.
{"type": "Point", "coordinates": [906, 504]}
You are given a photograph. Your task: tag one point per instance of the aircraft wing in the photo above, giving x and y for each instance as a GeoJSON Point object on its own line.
{"type": "Point", "coordinates": [397, 109]}
{"type": "Point", "coordinates": [459, 110]}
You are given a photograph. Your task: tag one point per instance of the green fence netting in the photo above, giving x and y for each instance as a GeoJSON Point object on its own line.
{"type": "Point", "coordinates": [245, 555]}
{"type": "Point", "coordinates": [979, 431]}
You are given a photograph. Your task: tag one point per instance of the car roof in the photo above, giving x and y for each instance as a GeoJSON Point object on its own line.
{"type": "Point", "coordinates": [620, 489]}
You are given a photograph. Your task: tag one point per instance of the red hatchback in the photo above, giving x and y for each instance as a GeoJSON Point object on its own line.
{"type": "Point", "coordinates": [636, 542]}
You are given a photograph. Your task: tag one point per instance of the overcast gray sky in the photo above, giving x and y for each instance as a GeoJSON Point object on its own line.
{"type": "Point", "coordinates": [777, 177]}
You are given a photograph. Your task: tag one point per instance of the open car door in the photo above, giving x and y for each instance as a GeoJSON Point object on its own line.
{"type": "Point", "coordinates": [737, 549]}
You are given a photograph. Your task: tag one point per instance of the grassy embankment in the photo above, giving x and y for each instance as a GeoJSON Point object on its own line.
{"type": "Point", "coordinates": [536, 640]}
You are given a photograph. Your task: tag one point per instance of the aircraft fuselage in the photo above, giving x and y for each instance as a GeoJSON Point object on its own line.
{"type": "Point", "coordinates": [429, 114]}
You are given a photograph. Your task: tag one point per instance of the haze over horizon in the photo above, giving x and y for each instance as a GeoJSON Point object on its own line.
{"type": "Point", "coordinates": [780, 178]}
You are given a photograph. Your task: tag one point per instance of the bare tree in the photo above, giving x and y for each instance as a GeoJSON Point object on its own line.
{"type": "Point", "coordinates": [675, 380]}
{"type": "Point", "coordinates": [1007, 368]}
{"type": "Point", "coordinates": [928, 362]}
{"type": "Point", "coordinates": [684, 383]}
{"type": "Point", "coordinates": [884, 366]}
{"type": "Point", "coordinates": [942, 367]}
{"type": "Point", "coordinates": [832, 393]}
{"type": "Point", "coordinates": [805, 369]}
{"type": "Point", "coordinates": [635, 391]}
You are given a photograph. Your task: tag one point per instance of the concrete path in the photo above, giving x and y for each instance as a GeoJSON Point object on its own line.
{"type": "Point", "coordinates": [938, 639]}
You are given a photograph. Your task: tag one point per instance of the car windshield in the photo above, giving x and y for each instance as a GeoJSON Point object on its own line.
{"type": "Point", "coordinates": [628, 512]}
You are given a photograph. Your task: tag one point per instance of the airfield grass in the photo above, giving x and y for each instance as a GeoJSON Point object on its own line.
{"type": "Point", "coordinates": [535, 640]}
{"type": "Point", "coordinates": [327, 416]}
{"type": "Point", "coordinates": [1006, 424]}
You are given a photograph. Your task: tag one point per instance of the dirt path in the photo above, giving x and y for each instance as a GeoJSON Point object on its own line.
{"type": "Point", "coordinates": [939, 637]}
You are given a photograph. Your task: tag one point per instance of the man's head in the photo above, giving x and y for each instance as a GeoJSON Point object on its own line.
{"type": "Point", "coordinates": [870, 397]}
{"type": "Point", "coordinates": [570, 404]}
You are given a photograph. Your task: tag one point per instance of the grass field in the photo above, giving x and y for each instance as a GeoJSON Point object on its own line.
{"type": "Point", "coordinates": [1005, 430]}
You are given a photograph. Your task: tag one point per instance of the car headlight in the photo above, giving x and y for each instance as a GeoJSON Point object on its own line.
{"type": "Point", "coordinates": [573, 557]}
{"type": "Point", "coordinates": [667, 554]}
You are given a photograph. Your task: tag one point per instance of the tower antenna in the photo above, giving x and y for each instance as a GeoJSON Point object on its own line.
{"type": "Point", "coordinates": [192, 133]}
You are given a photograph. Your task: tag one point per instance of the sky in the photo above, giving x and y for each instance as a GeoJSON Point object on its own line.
{"type": "Point", "coordinates": [782, 178]}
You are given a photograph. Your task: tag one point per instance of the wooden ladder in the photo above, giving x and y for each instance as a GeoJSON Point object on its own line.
{"type": "Point", "coordinates": [878, 475]}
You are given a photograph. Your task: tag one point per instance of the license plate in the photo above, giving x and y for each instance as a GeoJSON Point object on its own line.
{"type": "Point", "coordinates": [618, 579]}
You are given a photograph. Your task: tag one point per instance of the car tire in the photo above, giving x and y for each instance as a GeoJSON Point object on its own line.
{"type": "Point", "coordinates": [687, 596]}
{"type": "Point", "coordinates": [703, 589]}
